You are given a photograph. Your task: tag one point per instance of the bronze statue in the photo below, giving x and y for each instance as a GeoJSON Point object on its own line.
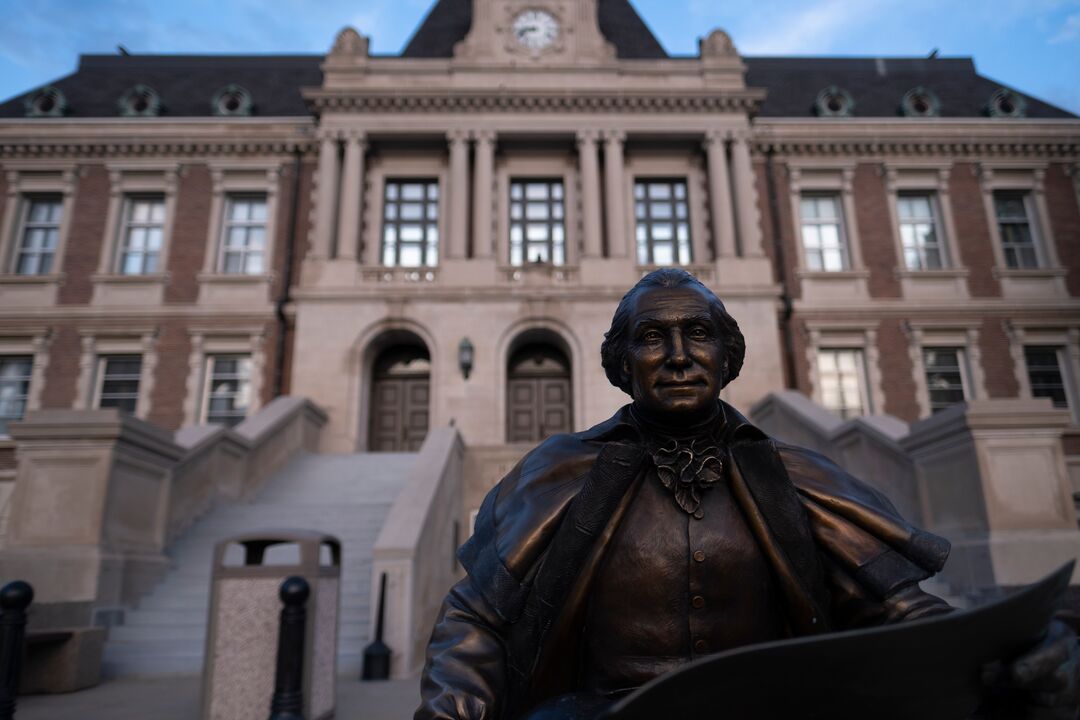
{"type": "Point", "coordinates": [673, 530]}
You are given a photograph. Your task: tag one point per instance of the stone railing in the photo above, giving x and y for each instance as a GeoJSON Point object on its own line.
{"type": "Point", "coordinates": [99, 495]}
{"type": "Point", "coordinates": [989, 475]}
{"type": "Point", "coordinates": [416, 550]}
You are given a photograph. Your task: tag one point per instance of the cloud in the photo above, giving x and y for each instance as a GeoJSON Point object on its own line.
{"type": "Point", "coordinates": [812, 29]}
{"type": "Point", "coordinates": [1069, 31]}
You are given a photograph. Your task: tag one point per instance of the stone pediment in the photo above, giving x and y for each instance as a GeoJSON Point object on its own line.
{"type": "Point", "coordinates": [534, 32]}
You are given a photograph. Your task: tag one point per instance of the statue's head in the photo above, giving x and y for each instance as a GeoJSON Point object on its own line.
{"type": "Point", "coordinates": [672, 345]}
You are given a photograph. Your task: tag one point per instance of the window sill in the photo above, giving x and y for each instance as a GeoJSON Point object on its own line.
{"type": "Point", "coordinates": [940, 284]}
{"type": "Point", "coordinates": [832, 287]}
{"type": "Point", "coordinates": [405, 275]}
{"type": "Point", "coordinates": [16, 279]}
{"type": "Point", "coordinates": [234, 289]}
{"type": "Point", "coordinates": [29, 290]}
{"type": "Point", "coordinates": [129, 290]}
{"type": "Point", "coordinates": [705, 273]}
{"type": "Point", "coordinates": [538, 273]}
{"type": "Point", "coordinates": [827, 275]}
{"type": "Point", "coordinates": [937, 274]}
{"type": "Point", "coordinates": [1032, 283]}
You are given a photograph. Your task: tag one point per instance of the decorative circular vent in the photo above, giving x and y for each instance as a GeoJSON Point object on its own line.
{"type": "Point", "coordinates": [232, 100]}
{"type": "Point", "coordinates": [920, 102]}
{"type": "Point", "coordinates": [140, 101]}
{"type": "Point", "coordinates": [46, 102]}
{"type": "Point", "coordinates": [1005, 103]}
{"type": "Point", "coordinates": [834, 101]}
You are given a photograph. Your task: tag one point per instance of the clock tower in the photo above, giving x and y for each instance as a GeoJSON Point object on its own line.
{"type": "Point", "coordinates": [535, 32]}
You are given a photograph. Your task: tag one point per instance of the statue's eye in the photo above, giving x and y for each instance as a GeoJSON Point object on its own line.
{"type": "Point", "coordinates": [652, 336]}
{"type": "Point", "coordinates": [698, 333]}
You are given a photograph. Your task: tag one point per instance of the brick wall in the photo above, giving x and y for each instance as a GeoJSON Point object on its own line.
{"type": "Point", "coordinates": [897, 376]}
{"type": "Point", "coordinates": [170, 380]}
{"type": "Point", "coordinates": [187, 249]}
{"type": "Point", "coordinates": [973, 236]}
{"type": "Point", "coordinates": [875, 232]}
{"type": "Point", "coordinates": [787, 224]}
{"type": "Point", "coordinates": [1065, 222]}
{"type": "Point", "coordinates": [62, 372]}
{"type": "Point", "coordinates": [998, 366]}
{"type": "Point", "coordinates": [801, 341]}
{"type": "Point", "coordinates": [87, 235]}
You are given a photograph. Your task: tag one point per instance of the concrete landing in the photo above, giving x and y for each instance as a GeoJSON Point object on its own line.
{"type": "Point", "coordinates": [178, 697]}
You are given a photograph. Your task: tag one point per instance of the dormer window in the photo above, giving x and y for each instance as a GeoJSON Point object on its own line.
{"type": "Point", "coordinates": [920, 102]}
{"type": "Point", "coordinates": [232, 100]}
{"type": "Point", "coordinates": [46, 102]}
{"type": "Point", "coordinates": [834, 101]}
{"type": "Point", "coordinates": [140, 101]}
{"type": "Point", "coordinates": [1004, 103]}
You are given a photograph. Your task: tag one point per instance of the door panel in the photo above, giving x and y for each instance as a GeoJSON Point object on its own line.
{"type": "Point", "coordinates": [399, 419]}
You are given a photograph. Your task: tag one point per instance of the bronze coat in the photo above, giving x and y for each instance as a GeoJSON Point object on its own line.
{"type": "Point", "coordinates": [506, 636]}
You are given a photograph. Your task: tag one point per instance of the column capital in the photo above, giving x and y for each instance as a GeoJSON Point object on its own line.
{"type": "Point", "coordinates": [740, 135]}
{"type": "Point", "coordinates": [457, 135]}
{"type": "Point", "coordinates": [483, 136]}
{"type": "Point", "coordinates": [614, 136]}
{"type": "Point", "coordinates": [714, 138]}
{"type": "Point", "coordinates": [355, 135]}
{"type": "Point", "coordinates": [328, 134]}
{"type": "Point", "coordinates": [587, 137]}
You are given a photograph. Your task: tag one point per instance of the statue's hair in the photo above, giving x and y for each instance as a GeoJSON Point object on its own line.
{"type": "Point", "coordinates": [614, 350]}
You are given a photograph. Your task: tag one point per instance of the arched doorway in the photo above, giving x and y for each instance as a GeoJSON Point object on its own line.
{"type": "Point", "coordinates": [538, 393]}
{"type": "Point", "coordinates": [400, 396]}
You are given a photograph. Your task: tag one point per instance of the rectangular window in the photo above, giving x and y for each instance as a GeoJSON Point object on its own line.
{"type": "Point", "coordinates": [1017, 235]}
{"type": "Point", "coordinates": [119, 382]}
{"type": "Point", "coordinates": [537, 228]}
{"type": "Point", "coordinates": [945, 371]}
{"type": "Point", "coordinates": [243, 235]}
{"type": "Point", "coordinates": [141, 235]}
{"type": "Point", "coordinates": [38, 236]}
{"type": "Point", "coordinates": [1045, 365]}
{"type": "Point", "coordinates": [842, 376]}
{"type": "Point", "coordinates": [228, 389]}
{"type": "Point", "coordinates": [823, 237]}
{"type": "Point", "coordinates": [411, 223]}
{"type": "Point", "coordinates": [662, 215]}
{"type": "Point", "coordinates": [919, 234]}
{"type": "Point", "coordinates": [14, 388]}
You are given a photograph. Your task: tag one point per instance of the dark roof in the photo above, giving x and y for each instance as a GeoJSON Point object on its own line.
{"type": "Point", "coordinates": [878, 84]}
{"type": "Point", "coordinates": [185, 83]}
{"type": "Point", "coordinates": [449, 20]}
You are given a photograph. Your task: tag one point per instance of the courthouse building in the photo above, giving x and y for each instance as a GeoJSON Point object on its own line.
{"type": "Point", "coordinates": [439, 237]}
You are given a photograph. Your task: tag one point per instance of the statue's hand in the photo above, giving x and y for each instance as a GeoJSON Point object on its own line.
{"type": "Point", "coordinates": [1045, 680]}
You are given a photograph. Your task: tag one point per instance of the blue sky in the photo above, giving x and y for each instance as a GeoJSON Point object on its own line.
{"type": "Point", "coordinates": [1033, 45]}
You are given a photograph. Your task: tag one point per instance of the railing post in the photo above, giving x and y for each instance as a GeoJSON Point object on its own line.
{"type": "Point", "coordinates": [15, 597]}
{"type": "Point", "coordinates": [288, 700]}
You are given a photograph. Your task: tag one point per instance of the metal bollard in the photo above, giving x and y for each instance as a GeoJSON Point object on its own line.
{"type": "Point", "coordinates": [15, 597]}
{"type": "Point", "coordinates": [288, 700]}
{"type": "Point", "coordinates": [377, 654]}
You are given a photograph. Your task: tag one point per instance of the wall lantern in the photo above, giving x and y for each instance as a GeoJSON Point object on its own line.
{"type": "Point", "coordinates": [465, 354]}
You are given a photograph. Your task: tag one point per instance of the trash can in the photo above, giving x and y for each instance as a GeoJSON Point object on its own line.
{"type": "Point", "coordinates": [242, 635]}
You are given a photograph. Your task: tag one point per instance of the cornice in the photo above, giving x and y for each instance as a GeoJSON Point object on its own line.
{"type": "Point", "coordinates": [535, 101]}
{"type": "Point", "coordinates": [148, 147]}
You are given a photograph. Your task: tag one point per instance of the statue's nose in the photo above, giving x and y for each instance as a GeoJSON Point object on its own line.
{"type": "Point", "coordinates": [677, 352]}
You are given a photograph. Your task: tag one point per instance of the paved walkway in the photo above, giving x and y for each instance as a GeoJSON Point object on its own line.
{"type": "Point", "coordinates": [177, 698]}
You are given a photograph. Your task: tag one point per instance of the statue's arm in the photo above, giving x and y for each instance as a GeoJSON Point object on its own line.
{"type": "Point", "coordinates": [465, 673]}
{"type": "Point", "coordinates": [855, 606]}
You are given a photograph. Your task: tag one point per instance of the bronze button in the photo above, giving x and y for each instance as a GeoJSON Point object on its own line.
{"type": "Point", "coordinates": [698, 602]}
{"type": "Point", "coordinates": [700, 646]}
{"type": "Point", "coordinates": [699, 556]}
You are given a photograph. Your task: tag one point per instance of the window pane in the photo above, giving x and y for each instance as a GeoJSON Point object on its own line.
{"type": "Point", "coordinates": [842, 381]}
{"type": "Point", "coordinates": [1044, 366]}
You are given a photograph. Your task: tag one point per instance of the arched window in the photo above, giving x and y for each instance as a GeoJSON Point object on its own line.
{"type": "Point", "coordinates": [538, 393]}
{"type": "Point", "coordinates": [400, 396]}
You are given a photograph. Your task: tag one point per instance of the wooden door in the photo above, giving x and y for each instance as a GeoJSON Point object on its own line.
{"type": "Point", "coordinates": [538, 395]}
{"type": "Point", "coordinates": [400, 395]}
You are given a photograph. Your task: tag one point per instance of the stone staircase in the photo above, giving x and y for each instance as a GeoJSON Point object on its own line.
{"type": "Point", "coordinates": [347, 496]}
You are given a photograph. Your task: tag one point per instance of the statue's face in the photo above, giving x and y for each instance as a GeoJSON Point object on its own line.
{"type": "Point", "coordinates": [676, 353]}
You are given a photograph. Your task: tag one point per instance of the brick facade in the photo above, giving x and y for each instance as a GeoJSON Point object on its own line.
{"type": "Point", "coordinates": [997, 360]}
{"type": "Point", "coordinates": [86, 239]}
{"type": "Point", "coordinates": [973, 236]}
{"type": "Point", "coordinates": [875, 233]}
{"type": "Point", "coordinates": [187, 250]}
{"type": "Point", "coordinates": [1061, 205]}
{"type": "Point", "coordinates": [62, 374]}
{"type": "Point", "coordinates": [896, 371]}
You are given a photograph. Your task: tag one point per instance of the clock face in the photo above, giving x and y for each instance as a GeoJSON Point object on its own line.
{"type": "Point", "coordinates": [536, 29]}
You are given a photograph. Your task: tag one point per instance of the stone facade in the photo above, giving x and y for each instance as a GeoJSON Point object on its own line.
{"type": "Point", "coordinates": [593, 112]}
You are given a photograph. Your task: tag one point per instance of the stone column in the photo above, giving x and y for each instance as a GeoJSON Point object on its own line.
{"type": "Point", "coordinates": [352, 196]}
{"type": "Point", "coordinates": [589, 164]}
{"type": "Point", "coordinates": [458, 193]}
{"type": "Point", "coordinates": [723, 224]}
{"type": "Point", "coordinates": [326, 198]}
{"type": "Point", "coordinates": [746, 197]}
{"type": "Point", "coordinates": [614, 169]}
{"type": "Point", "coordinates": [482, 177]}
